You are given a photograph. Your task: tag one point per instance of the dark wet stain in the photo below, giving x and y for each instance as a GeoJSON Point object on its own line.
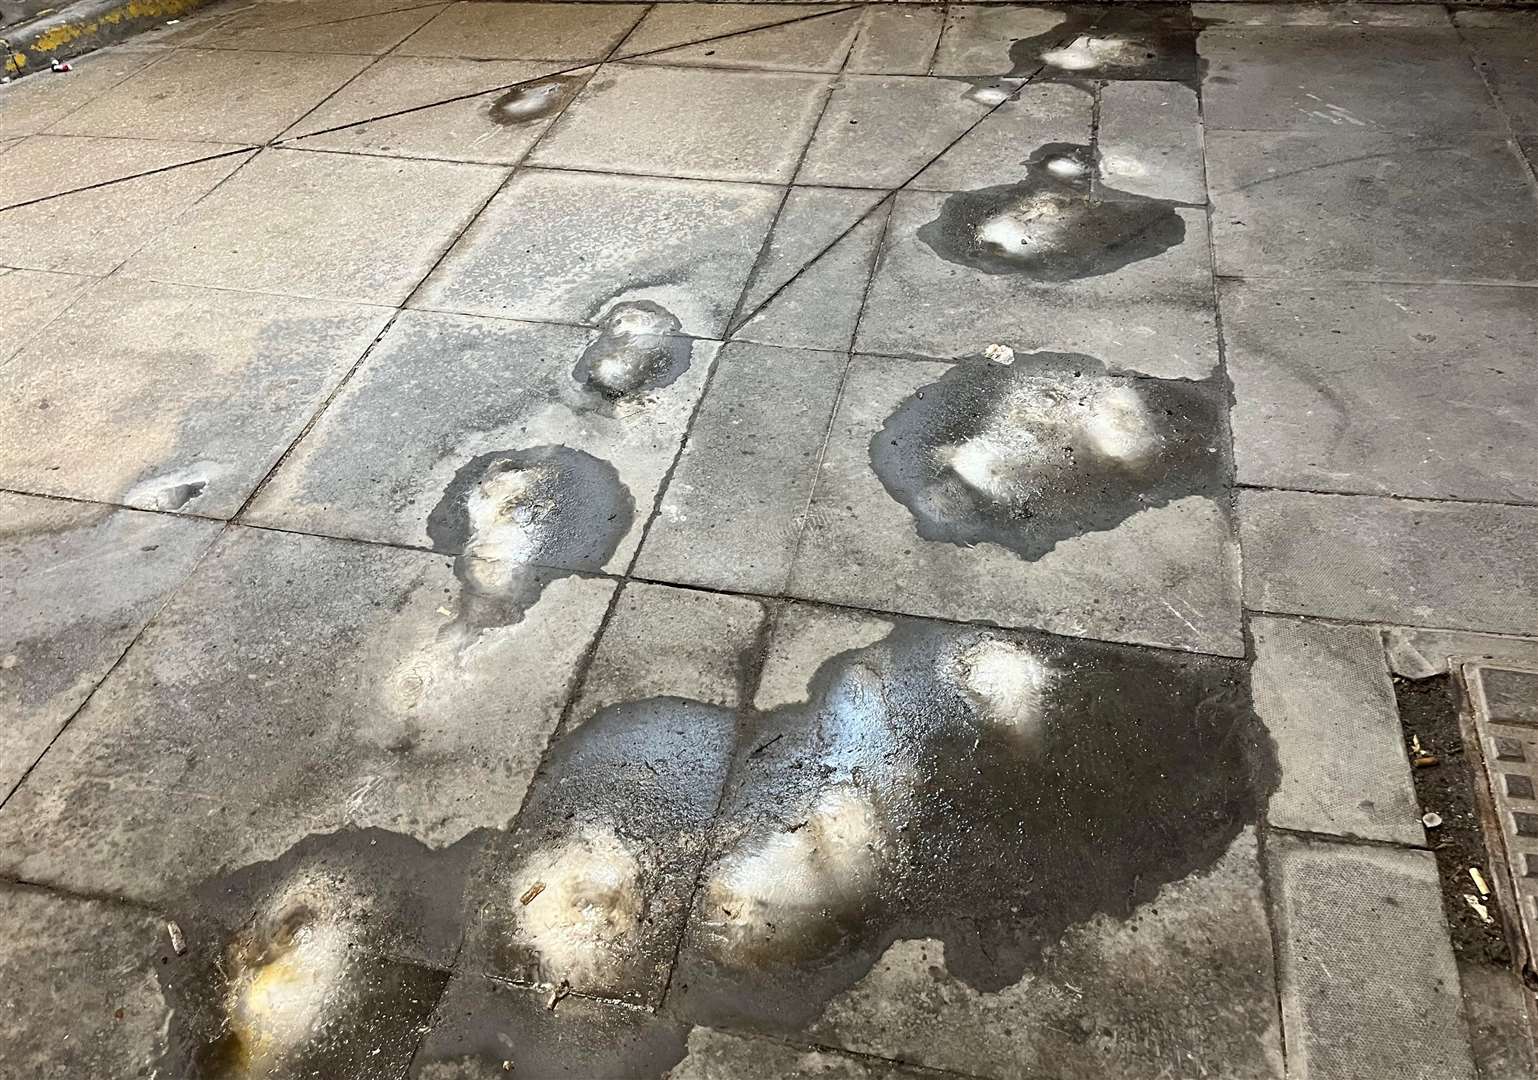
{"type": "Point", "coordinates": [983, 788]}
{"type": "Point", "coordinates": [516, 519]}
{"type": "Point", "coordinates": [529, 102]}
{"type": "Point", "coordinates": [1014, 456]}
{"type": "Point", "coordinates": [638, 348]}
{"type": "Point", "coordinates": [1052, 226]}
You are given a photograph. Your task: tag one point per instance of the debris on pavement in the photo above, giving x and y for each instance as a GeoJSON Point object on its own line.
{"type": "Point", "coordinates": [1479, 881]}
{"type": "Point", "coordinates": [531, 892]}
{"type": "Point", "coordinates": [1000, 354]}
{"type": "Point", "coordinates": [1431, 819]}
{"type": "Point", "coordinates": [178, 939]}
{"type": "Point", "coordinates": [1479, 909]}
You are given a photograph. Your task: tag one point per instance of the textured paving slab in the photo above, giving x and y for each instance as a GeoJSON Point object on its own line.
{"type": "Point", "coordinates": [1385, 389]}
{"type": "Point", "coordinates": [225, 96]}
{"type": "Point", "coordinates": [29, 301]}
{"type": "Point", "coordinates": [46, 165]}
{"type": "Point", "coordinates": [1154, 316]}
{"type": "Point", "coordinates": [32, 105]}
{"type": "Point", "coordinates": [1504, 44]}
{"type": "Point", "coordinates": [1399, 209]}
{"type": "Point", "coordinates": [1324, 692]}
{"type": "Point", "coordinates": [565, 247]}
{"type": "Point", "coordinates": [892, 41]}
{"type": "Point", "coordinates": [733, 510]}
{"type": "Point", "coordinates": [296, 686]}
{"type": "Point", "coordinates": [781, 36]}
{"type": "Point", "coordinates": [1150, 140]}
{"type": "Point", "coordinates": [711, 125]}
{"type": "Point", "coordinates": [1225, 15]}
{"type": "Point", "coordinates": [1420, 654]}
{"type": "Point", "coordinates": [332, 226]}
{"type": "Point", "coordinates": [1364, 960]}
{"type": "Point", "coordinates": [320, 26]}
{"type": "Point", "coordinates": [1456, 566]}
{"type": "Point", "coordinates": [496, 127]}
{"type": "Point", "coordinates": [60, 641]}
{"type": "Point", "coordinates": [192, 396]}
{"type": "Point", "coordinates": [441, 393]}
{"type": "Point", "coordinates": [78, 992]}
{"type": "Point", "coordinates": [1372, 80]}
{"type": "Point", "coordinates": [92, 232]}
{"type": "Point", "coordinates": [524, 31]}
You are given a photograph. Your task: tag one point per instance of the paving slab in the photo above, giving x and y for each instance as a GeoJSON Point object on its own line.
{"type": "Point", "coordinates": [1266, 15]}
{"type": "Point", "coordinates": [245, 97]}
{"type": "Point", "coordinates": [45, 165]}
{"type": "Point", "coordinates": [1071, 42]}
{"type": "Point", "coordinates": [94, 231]}
{"type": "Point", "coordinates": [441, 399]}
{"type": "Point", "coordinates": [1153, 316]}
{"type": "Point", "coordinates": [978, 38]}
{"type": "Point", "coordinates": [1150, 140]}
{"type": "Point", "coordinates": [496, 126]}
{"type": "Point", "coordinates": [78, 991]}
{"type": "Point", "coordinates": [29, 301]}
{"type": "Point", "coordinates": [668, 121]}
{"type": "Point", "coordinates": [1324, 692]}
{"type": "Point", "coordinates": [1420, 654]}
{"type": "Point", "coordinates": [672, 26]}
{"type": "Point", "coordinates": [788, 37]}
{"type": "Point", "coordinates": [721, 1055]}
{"type": "Point", "coordinates": [733, 509]}
{"type": "Point", "coordinates": [524, 31]}
{"type": "Point", "coordinates": [1458, 566]}
{"type": "Point", "coordinates": [892, 41]}
{"type": "Point", "coordinates": [320, 26]}
{"type": "Point", "coordinates": [60, 642]}
{"type": "Point", "coordinates": [331, 226]}
{"type": "Point", "coordinates": [1400, 208]}
{"type": "Point", "coordinates": [1364, 959]}
{"type": "Point", "coordinates": [1167, 574]}
{"type": "Point", "coordinates": [28, 106]}
{"type": "Point", "coordinates": [1385, 389]}
{"type": "Point", "coordinates": [1504, 50]}
{"type": "Point", "coordinates": [1371, 81]}
{"type": "Point", "coordinates": [192, 396]}
{"type": "Point", "coordinates": [294, 687]}
{"type": "Point", "coordinates": [567, 247]}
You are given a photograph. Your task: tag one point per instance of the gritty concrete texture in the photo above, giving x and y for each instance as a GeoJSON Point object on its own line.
{"type": "Point", "coordinates": [45, 165]}
{"type": "Point", "coordinates": [790, 37]}
{"type": "Point", "coordinates": [1266, 15]}
{"type": "Point", "coordinates": [990, 152]}
{"type": "Point", "coordinates": [29, 301]}
{"type": "Point", "coordinates": [1324, 692]}
{"type": "Point", "coordinates": [734, 509]}
{"type": "Point", "coordinates": [1402, 209]}
{"type": "Point", "coordinates": [1450, 565]}
{"type": "Point", "coordinates": [1503, 43]}
{"type": "Point", "coordinates": [28, 106]}
{"type": "Point", "coordinates": [295, 686]}
{"type": "Point", "coordinates": [1150, 141]}
{"type": "Point", "coordinates": [57, 645]}
{"type": "Point", "coordinates": [896, 42]}
{"type": "Point", "coordinates": [319, 26]}
{"type": "Point", "coordinates": [523, 31]}
{"type": "Point", "coordinates": [376, 467]}
{"type": "Point", "coordinates": [1363, 959]}
{"type": "Point", "coordinates": [1420, 654]}
{"type": "Point", "coordinates": [977, 37]}
{"type": "Point", "coordinates": [719, 1055]}
{"type": "Point", "coordinates": [564, 247]}
{"type": "Point", "coordinates": [709, 125]}
{"type": "Point", "coordinates": [1374, 389]}
{"type": "Point", "coordinates": [277, 227]}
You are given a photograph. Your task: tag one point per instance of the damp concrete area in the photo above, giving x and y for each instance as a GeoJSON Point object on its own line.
{"type": "Point", "coordinates": [750, 540]}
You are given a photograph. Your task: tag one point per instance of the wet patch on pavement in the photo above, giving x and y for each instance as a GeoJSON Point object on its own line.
{"type": "Point", "coordinates": [1028, 454]}
{"type": "Point", "coordinates": [1052, 226]}
{"type": "Point", "coordinates": [531, 101]}
{"type": "Point", "coordinates": [638, 348]}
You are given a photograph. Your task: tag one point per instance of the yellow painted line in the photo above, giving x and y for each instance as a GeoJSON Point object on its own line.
{"type": "Point", "coordinates": [60, 36]}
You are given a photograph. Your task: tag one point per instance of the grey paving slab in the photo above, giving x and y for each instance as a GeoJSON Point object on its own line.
{"type": "Point", "coordinates": [496, 127]}
{"type": "Point", "coordinates": [31, 105]}
{"type": "Point", "coordinates": [1504, 52]}
{"type": "Point", "coordinates": [1324, 692]}
{"type": "Point", "coordinates": [333, 226]}
{"type": "Point", "coordinates": [1400, 209]}
{"type": "Point", "coordinates": [78, 992]}
{"type": "Point", "coordinates": [1458, 566]}
{"type": "Point", "coordinates": [892, 41]}
{"type": "Point", "coordinates": [720, 1055]}
{"type": "Point", "coordinates": [1383, 79]}
{"type": "Point", "coordinates": [46, 165]}
{"type": "Point", "coordinates": [191, 396]}
{"type": "Point", "coordinates": [1154, 316]}
{"type": "Point", "coordinates": [296, 686]}
{"type": "Point", "coordinates": [1385, 389]}
{"type": "Point", "coordinates": [566, 247]}
{"type": "Point", "coordinates": [31, 299]}
{"type": "Point", "coordinates": [60, 640]}
{"type": "Point", "coordinates": [209, 94]}
{"type": "Point", "coordinates": [441, 393]}
{"type": "Point", "coordinates": [94, 231]}
{"type": "Point", "coordinates": [996, 151]}
{"type": "Point", "coordinates": [733, 509]}
{"type": "Point", "coordinates": [1074, 42]}
{"type": "Point", "coordinates": [1364, 959]}
{"type": "Point", "coordinates": [978, 38]}
{"type": "Point", "coordinates": [1420, 654]}
{"type": "Point", "coordinates": [524, 31]}
{"type": "Point", "coordinates": [705, 124]}
{"type": "Point", "coordinates": [1267, 15]}
{"type": "Point", "coordinates": [1150, 140]}
{"type": "Point", "coordinates": [320, 26]}
{"type": "Point", "coordinates": [775, 42]}
{"type": "Point", "coordinates": [1165, 575]}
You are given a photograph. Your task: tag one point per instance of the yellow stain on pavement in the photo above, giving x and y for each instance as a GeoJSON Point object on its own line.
{"type": "Point", "coordinates": [61, 36]}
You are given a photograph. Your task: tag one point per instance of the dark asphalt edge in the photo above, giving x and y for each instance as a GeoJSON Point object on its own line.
{"type": "Point", "coordinates": [81, 27]}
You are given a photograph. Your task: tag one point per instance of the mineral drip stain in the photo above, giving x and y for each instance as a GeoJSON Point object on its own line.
{"type": "Point", "coordinates": [1052, 226]}
{"type": "Point", "coordinates": [527, 103]}
{"type": "Point", "coordinates": [1003, 454]}
{"type": "Point", "coordinates": [638, 348]}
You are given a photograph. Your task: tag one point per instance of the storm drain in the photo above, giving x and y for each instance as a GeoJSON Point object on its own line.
{"type": "Point", "coordinates": [1505, 706]}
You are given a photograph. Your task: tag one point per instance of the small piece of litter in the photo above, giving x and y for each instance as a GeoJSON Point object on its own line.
{"type": "Point", "coordinates": [1479, 881]}
{"type": "Point", "coordinates": [1479, 909]}
{"type": "Point", "coordinates": [445, 611]}
{"type": "Point", "coordinates": [1425, 761]}
{"type": "Point", "coordinates": [178, 940]}
{"type": "Point", "coordinates": [531, 892]}
{"type": "Point", "coordinates": [61, 66]}
{"type": "Point", "coordinates": [557, 994]}
{"type": "Point", "coordinates": [172, 22]}
{"type": "Point", "coordinates": [507, 1066]}
{"type": "Point", "coordinates": [1000, 354]}
{"type": "Point", "coordinates": [1432, 820]}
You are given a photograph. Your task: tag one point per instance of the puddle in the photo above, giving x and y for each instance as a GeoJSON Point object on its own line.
{"type": "Point", "coordinates": [529, 102]}
{"type": "Point", "coordinates": [1051, 226]}
{"type": "Point", "coordinates": [638, 348]}
{"type": "Point", "coordinates": [1019, 457]}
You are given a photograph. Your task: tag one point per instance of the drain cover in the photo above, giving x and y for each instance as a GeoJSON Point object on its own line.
{"type": "Point", "coordinates": [1505, 702]}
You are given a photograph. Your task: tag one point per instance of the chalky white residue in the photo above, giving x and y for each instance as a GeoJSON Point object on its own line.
{"type": "Point", "coordinates": [585, 919]}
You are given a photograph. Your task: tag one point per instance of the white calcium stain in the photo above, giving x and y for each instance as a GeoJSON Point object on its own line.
{"type": "Point", "coordinates": [587, 907]}
{"type": "Point", "coordinates": [1005, 683]}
